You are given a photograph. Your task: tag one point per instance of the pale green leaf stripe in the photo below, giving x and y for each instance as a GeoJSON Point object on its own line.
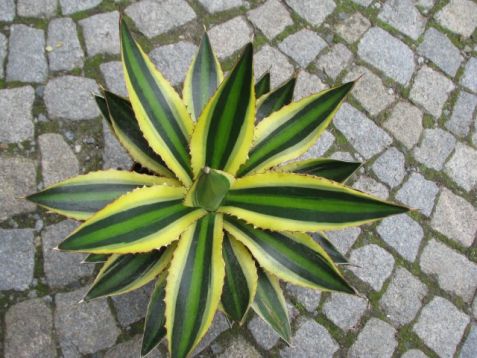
{"type": "Point", "coordinates": [263, 85]}
{"type": "Point", "coordinates": [289, 132]}
{"type": "Point", "coordinates": [161, 114]}
{"type": "Point", "coordinates": [224, 131]}
{"type": "Point", "coordinates": [124, 273]}
{"type": "Point", "coordinates": [121, 118]}
{"type": "Point", "coordinates": [81, 196]}
{"type": "Point", "coordinates": [154, 329]}
{"type": "Point", "coordinates": [240, 279]}
{"type": "Point", "coordinates": [273, 101]}
{"type": "Point", "coordinates": [293, 202]}
{"type": "Point", "coordinates": [332, 169]}
{"type": "Point", "coordinates": [330, 249]}
{"type": "Point", "coordinates": [139, 221]}
{"type": "Point", "coordinates": [95, 258]}
{"type": "Point", "coordinates": [194, 285]}
{"type": "Point", "coordinates": [292, 257]}
{"type": "Point", "coordinates": [203, 78]}
{"type": "Point", "coordinates": [270, 304]}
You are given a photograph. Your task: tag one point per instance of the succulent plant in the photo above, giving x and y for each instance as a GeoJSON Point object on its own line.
{"type": "Point", "coordinates": [211, 213]}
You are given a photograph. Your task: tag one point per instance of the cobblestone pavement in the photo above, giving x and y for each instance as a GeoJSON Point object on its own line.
{"type": "Point", "coordinates": [412, 117]}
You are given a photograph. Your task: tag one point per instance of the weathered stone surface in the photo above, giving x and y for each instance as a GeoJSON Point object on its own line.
{"type": "Point", "coordinates": [439, 49]}
{"type": "Point", "coordinates": [469, 349]}
{"type": "Point", "coordinates": [114, 154]}
{"type": "Point", "coordinates": [403, 234]}
{"type": "Point", "coordinates": [36, 8]}
{"type": "Point", "coordinates": [431, 90]}
{"type": "Point", "coordinates": [389, 167]}
{"type": "Point", "coordinates": [66, 52]}
{"type": "Point", "coordinates": [114, 77]}
{"type": "Point", "coordinates": [435, 148]}
{"type": "Point", "coordinates": [71, 97]}
{"type": "Point", "coordinates": [174, 60]}
{"type": "Point", "coordinates": [373, 265]}
{"type": "Point", "coordinates": [304, 341]}
{"type": "Point", "coordinates": [469, 79]}
{"type": "Point", "coordinates": [459, 17]}
{"type": "Point", "coordinates": [239, 347]}
{"type": "Point", "coordinates": [26, 55]}
{"type": "Point", "coordinates": [365, 136]}
{"type": "Point", "coordinates": [62, 268]}
{"type": "Point", "coordinates": [419, 193]}
{"type": "Point", "coordinates": [371, 186]}
{"type": "Point", "coordinates": [3, 53]}
{"type": "Point", "coordinates": [29, 330]}
{"type": "Point", "coordinates": [461, 119]}
{"type": "Point", "coordinates": [462, 166]}
{"type": "Point", "coordinates": [72, 6]}
{"type": "Point", "coordinates": [353, 27]}
{"type": "Point", "coordinates": [153, 18]}
{"type": "Point", "coordinates": [320, 147]}
{"type": "Point", "coordinates": [132, 306]}
{"type": "Point", "coordinates": [403, 298]}
{"type": "Point", "coordinates": [455, 217]}
{"type": "Point", "coordinates": [441, 326]}
{"type": "Point", "coordinates": [335, 60]}
{"type": "Point", "coordinates": [101, 33]}
{"type": "Point", "coordinates": [131, 349]}
{"type": "Point", "coordinates": [344, 239]}
{"type": "Point", "coordinates": [307, 84]}
{"type": "Point", "coordinates": [213, 6]}
{"type": "Point", "coordinates": [16, 121]}
{"type": "Point", "coordinates": [377, 339]}
{"type": "Point", "coordinates": [387, 54]}
{"type": "Point", "coordinates": [263, 334]}
{"type": "Point", "coordinates": [17, 259]}
{"type": "Point", "coordinates": [303, 46]}
{"type": "Point", "coordinates": [414, 353]}
{"type": "Point", "coordinates": [405, 123]}
{"type": "Point", "coordinates": [345, 310]}
{"type": "Point", "coordinates": [7, 10]}
{"type": "Point", "coordinates": [94, 331]}
{"type": "Point", "coordinates": [219, 324]}
{"type": "Point", "coordinates": [309, 298]}
{"type": "Point", "coordinates": [270, 59]}
{"type": "Point", "coordinates": [270, 18]}
{"type": "Point", "coordinates": [454, 271]}
{"type": "Point", "coordinates": [315, 12]}
{"type": "Point", "coordinates": [366, 88]}
{"type": "Point", "coordinates": [230, 36]}
{"type": "Point", "coordinates": [363, 2]}
{"type": "Point", "coordinates": [403, 16]}
{"type": "Point", "coordinates": [17, 180]}
{"type": "Point", "coordinates": [58, 161]}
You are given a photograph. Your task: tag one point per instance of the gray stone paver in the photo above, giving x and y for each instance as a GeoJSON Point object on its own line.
{"type": "Point", "coordinates": [412, 114]}
{"type": "Point", "coordinates": [441, 326]}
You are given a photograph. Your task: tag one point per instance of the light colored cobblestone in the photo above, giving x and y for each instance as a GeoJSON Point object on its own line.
{"type": "Point", "coordinates": [306, 85]}
{"type": "Point", "coordinates": [36, 8]}
{"type": "Point", "coordinates": [459, 17]}
{"type": "Point", "coordinates": [3, 53]}
{"type": "Point", "coordinates": [16, 120]}
{"type": "Point", "coordinates": [270, 59]}
{"type": "Point", "coordinates": [66, 52]}
{"type": "Point", "coordinates": [335, 61]}
{"type": "Point", "coordinates": [389, 167]}
{"type": "Point", "coordinates": [114, 154]}
{"type": "Point", "coordinates": [303, 46]}
{"type": "Point", "coordinates": [230, 36]}
{"type": "Point", "coordinates": [371, 186]}
{"type": "Point", "coordinates": [114, 77]}
{"type": "Point", "coordinates": [435, 148]}
{"type": "Point", "coordinates": [344, 239]}
{"type": "Point", "coordinates": [469, 349]}
{"type": "Point", "coordinates": [320, 147]}
{"type": "Point", "coordinates": [377, 339]}
{"type": "Point", "coordinates": [315, 12]}
{"type": "Point", "coordinates": [461, 119]}
{"type": "Point", "coordinates": [462, 167]}
{"type": "Point", "coordinates": [345, 310]}
{"type": "Point", "coordinates": [101, 33]}
{"type": "Point", "coordinates": [213, 6]}
{"type": "Point", "coordinates": [403, 16]}
{"type": "Point", "coordinates": [72, 6]}
{"type": "Point", "coordinates": [270, 18]}
{"type": "Point", "coordinates": [405, 123]}
{"type": "Point", "coordinates": [239, 347]}
{"type": "Point", "coordinates": [263, 334]}
{"type": "Point", "coordinates": [469, 79]}
{"type": "Point", "coordinates": [353, 27]}
{"type": "Point", "coordinates": [418, 193]}
{"type": "Point", "coordinates": [7, 10]}
{"type": "Point", "coordinates": [309, 298]}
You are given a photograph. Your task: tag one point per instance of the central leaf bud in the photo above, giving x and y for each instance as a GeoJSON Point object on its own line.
{"type": "Point", "coordinates": [209, 189]}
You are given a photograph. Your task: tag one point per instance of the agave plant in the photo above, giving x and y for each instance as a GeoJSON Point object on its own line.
{"type": "Point", "coordinates": [212, 216]}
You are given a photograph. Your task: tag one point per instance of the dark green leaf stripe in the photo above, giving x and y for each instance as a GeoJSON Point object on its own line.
{"type": "Point", "coordinates": [330, 249]}
{"type": "Point", "coordinates": [128, 270]}
{"type": "Point", "coordinates": [96, 258]}
{"type": "Point", "coordinates": [235, 293]}
{"type": "Point", "coordinates": [291, 255]}
{"type": "Point", "coordinates": [193, 295]}
{"type": "Point", "coordinates": [310, 204]}
{"type": "Point", "coordinates": [263, 85]}
{"type": "Point", "coordinates": [154, 329]}
{"type": "Point", "coordinates": [159, 111]}
{"type": "Point", "coordinates": [270, 304]}
{"type": "Point", "coordinates": [103, 108]}
{"type": "Point", "coordinates": [275, 100]}
{"type": "Point", "coordinates": [205, 76]}
{"type": "Point", "coordinates": [122, 116]}
{"type": "Point", "coordinates": [310, 118]}
{"type": "Point", "coordinates": [230, 113]}
{"type": "Point", "coordinates": [332, 169]}
{"type": "Point", "coordinates": [126, 227]}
